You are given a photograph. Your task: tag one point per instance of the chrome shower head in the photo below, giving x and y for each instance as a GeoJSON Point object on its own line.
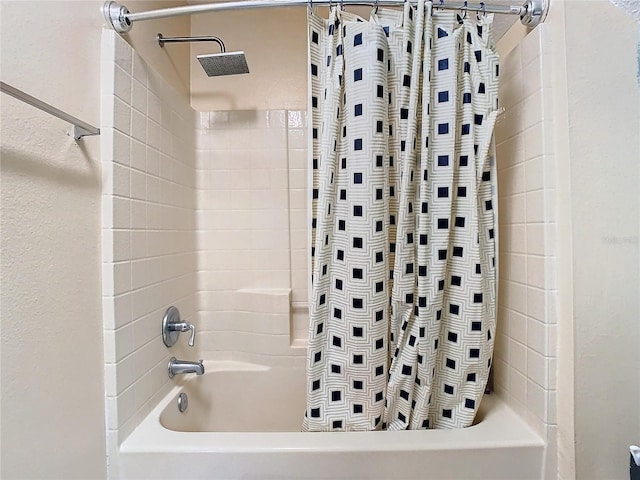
{"type": "Point", "coordinates": [224, 63]}
{"type": "Point", "coordinates": [214, 64]}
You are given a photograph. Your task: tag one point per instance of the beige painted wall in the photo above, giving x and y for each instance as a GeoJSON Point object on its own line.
{"type": "Point", "coordinates": [598, 121]}
{"type": "Point", "coordinates": [52, 393]}
{"type": "Point", "coordinates": [52, 382]}
{"type": "Point", "coordinates": [604, 121]}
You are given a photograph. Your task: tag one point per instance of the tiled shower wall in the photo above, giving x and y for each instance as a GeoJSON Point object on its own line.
{"type": "Point", "coordinates": [525, 351]}
{"type": "Point", "coordinates": [252, 236]}
{"type": "Point", "coordinates": [148, 221]}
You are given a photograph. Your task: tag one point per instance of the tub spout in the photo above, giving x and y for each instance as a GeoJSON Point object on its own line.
{"type": "Point", "coordinates": [179, 367]}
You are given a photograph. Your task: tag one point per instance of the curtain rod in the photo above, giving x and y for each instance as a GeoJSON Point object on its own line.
{"type": "Point", "coordinates": [531, 13]}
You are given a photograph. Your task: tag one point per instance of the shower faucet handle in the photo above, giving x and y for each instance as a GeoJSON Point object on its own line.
{"type": "Point", "coordinates": [185, 327]}
{"type": "Point", "coordinates": [172, 326]}
{"type": "Point", "coordinates": [192, 337]}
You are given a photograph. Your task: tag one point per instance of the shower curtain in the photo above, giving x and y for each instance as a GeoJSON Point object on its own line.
{"type": "Point", "coordinates": [403, 291]}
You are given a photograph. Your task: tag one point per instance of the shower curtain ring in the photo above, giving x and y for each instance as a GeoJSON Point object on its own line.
{"type": "Point", "coordinates": [465, 8]}
{"type": "Point", "coordinates": [441, 4]}
{"type": "Point", "coordinates": [342, 5]}
{"type": "Point", "coordinates": [310, 6]}
{"type": "Point", "coordinates": [483, 9]}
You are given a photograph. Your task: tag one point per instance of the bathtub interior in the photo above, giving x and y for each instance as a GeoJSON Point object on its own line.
{"type": "Point", "coordinates": [243, 397]}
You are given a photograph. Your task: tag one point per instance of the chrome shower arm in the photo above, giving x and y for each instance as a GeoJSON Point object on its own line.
{"type": "Point", "coordinates": [210, 38]}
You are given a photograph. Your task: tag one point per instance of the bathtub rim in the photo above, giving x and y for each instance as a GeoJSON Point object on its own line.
{"type": "Point", "coordinates": [500, 427]}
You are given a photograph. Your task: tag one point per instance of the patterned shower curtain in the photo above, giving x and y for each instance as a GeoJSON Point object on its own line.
{"type": "Point", "coordinates": [403, 294]}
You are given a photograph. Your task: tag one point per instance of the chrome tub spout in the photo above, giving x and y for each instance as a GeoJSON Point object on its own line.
{"type": "Point", "coordinates": [180, 367]}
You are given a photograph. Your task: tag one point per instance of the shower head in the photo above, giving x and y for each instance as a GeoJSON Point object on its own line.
{"type": "Point", "coordinates": [214, 64]}
{"type": "Point", "coordinates": [224, 63]}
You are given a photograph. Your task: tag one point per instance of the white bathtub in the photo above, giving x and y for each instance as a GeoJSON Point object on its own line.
{"type": "Point", "coordinates": [243, 422]}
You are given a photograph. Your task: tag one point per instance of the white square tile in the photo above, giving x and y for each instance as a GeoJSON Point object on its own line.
{"type": "Point", "coordinates": [510, 64]}
{"type": "Point", "coordinates": [518, 386]}
{"type": "Point", "coordinates": [107, 76]}
{"type": "Point", "coordinates": [297, 138]}
{"type": "Point", "coordinates": [532, 73]}
{"type": "Point", "coordinates": [277, 119]}
{"type": "Point", "coordinates": [518, 327]}
{"type": "Point", "coordinates": [536, 400]}
{"type": "Point", "coordinates": [121, 310]}
{"type": "Point", "coordinates": [139, 70]}
{"type": "Point", "coordinates": [537, 336]}
{"type": "Point", "coordinates": [154, 134]}
{"type": "Point", "coordinates": [535, 210]}
{"type": "Point", "coordinates": [139, 246]}
{"type": "Point", "coordinates": [517, 239]}
{"type": "Point", "coordinates": [530, 47]}
{"type": "Point", "coordinates": [534, 174]}
{"type": "Point", "coordinates": [279, 179]}
{"type": "Point", "coordinates": [123, 54]}
{"type": "Point", "coordinates": [536, 271]}
{"type": "Point", "coordinates": [510, 94]}
{"type": "Point", "coordinates": [138, 185]}
{"type": "Point", "coordinates": [533, 110]}
{"type": "Point", "coordinates": [536, 303]}
{"type": "Point", "coordinates": [121, 181]}
{"type": "Point", "coordinates": [518, 297]}
{"type": "Point", "coordinates": [537, 368]}
{"type": "Point", "coordinates": [512, 180]}
{"type": "Point", "coordinates": [121, 245]}
{"type": "Point", "coordinates": [121, 214]}
{"type": "Point", "coordinates": [517, 268]}
{"type": "Point", "coordinates": [298, 158]}
{"type": "Point", "coordinates": [154, 192]}
{"type": "Point", "coordinates": [536, 239]}
{"type": "Point", "coordinates": [518, 356]}
{"type": "Point", "coordinates": [121, 120]}
{"type": "Point", "coordinates": [296, 119]}
{"type": "Point", "coordinates": [138, 155]}
{"type": "Point", "coordinates": [122, 277]}
{"type": "Point", "coordinates": [500, 377]}
{"type": "Point", "coordinates": [121, 148]}
{"type": "Point", "coordinates": [203, 122]}
{"type": "Point", "coordinates": [537, 141]}
{"type": "Point", "coordinates": [219, 120]}
{"type": "Point", "coordinates": [122, 85]}
{"type": "Point", "coordinates": [138, 126]}
{"type": "Point", "coordinates": [152, 161]}
{"type": "Point", "coordinates": [154, 107]}
{"type": "Point", "coordinates": [502, 339]}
